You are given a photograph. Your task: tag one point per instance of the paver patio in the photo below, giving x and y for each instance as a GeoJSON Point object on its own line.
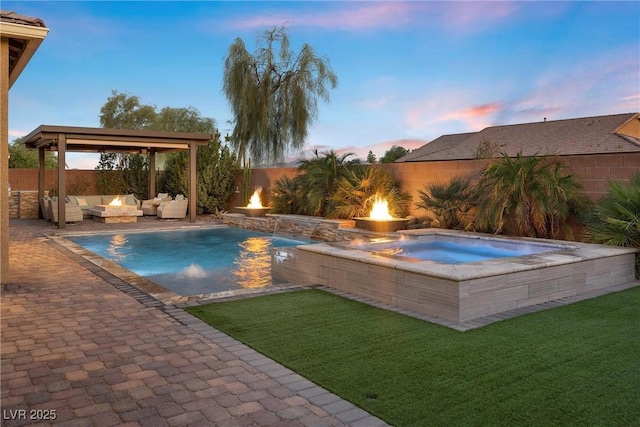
{"type": "Point", "coordinates": [93, 350]}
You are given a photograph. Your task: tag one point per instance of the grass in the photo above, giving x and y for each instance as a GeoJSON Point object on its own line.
{"type": "Point", "coordinates": [574, 365]}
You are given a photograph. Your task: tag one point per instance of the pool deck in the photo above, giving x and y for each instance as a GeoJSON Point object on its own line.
{"type": "Point", "coordinates": [92, 349]}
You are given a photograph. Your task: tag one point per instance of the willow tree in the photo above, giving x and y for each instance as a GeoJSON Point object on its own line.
{"type": "Point", "coordinates": [273, 95]}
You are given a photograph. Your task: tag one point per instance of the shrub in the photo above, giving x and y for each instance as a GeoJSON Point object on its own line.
{"type": "Point", "coordinates": [216, 176]}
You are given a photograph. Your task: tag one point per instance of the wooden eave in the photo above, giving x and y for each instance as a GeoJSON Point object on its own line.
{"type": "Point", "coordinates": [24, 40]}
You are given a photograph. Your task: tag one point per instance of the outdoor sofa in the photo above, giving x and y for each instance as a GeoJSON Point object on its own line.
{"type": "Point", "coordinates": [88, 202]}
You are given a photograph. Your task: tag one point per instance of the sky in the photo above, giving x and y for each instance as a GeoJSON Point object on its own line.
{"type": "Point", "coordinates": [408, 71]}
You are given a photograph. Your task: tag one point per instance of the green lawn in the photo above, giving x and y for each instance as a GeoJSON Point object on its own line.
{"type": "Point", "coordinates": [574, 365]}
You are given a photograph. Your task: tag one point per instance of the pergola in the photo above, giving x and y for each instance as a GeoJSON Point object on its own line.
{"type": "Point", "coordinates": [98, 140]}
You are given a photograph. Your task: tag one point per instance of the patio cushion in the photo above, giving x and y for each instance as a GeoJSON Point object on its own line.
{"type": "Point", "coordinates": [81, 201]}
{"type": "Point", "coordinates": [130, 199]}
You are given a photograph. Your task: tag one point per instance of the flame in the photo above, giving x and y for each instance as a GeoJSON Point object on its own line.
{"type": "Point", "coordinates": [116, 202]}
{"type": "Point", "coordinates": [380, 210]}
{"type": "Point", "coordinates": [254, 201]}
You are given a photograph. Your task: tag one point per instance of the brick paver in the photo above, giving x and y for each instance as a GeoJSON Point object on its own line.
{"type": "Point", "coordinates": [80, 346]}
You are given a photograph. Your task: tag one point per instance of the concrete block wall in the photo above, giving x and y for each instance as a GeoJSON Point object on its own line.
{"type": "Point", "coordinates": [594, 171]}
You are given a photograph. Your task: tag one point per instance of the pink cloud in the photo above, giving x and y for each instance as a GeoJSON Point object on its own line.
{"type": "Point", "coordinates": [446, 113]}
{"type": "Point", "coordinates": [362, 16]}
{"type": "Point", "coordinates": [461, 16]}
{"type": "Point", "coordinates": [477, 111]}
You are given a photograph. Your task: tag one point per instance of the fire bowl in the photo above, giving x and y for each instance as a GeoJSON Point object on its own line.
{"type": "Point", "coordinates": [381, 225]}
{"type": "Point", "coordinates": [253, 212]}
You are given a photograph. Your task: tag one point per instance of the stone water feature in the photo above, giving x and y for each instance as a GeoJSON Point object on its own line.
{"type": "Point", "coordinates": [298, 226]}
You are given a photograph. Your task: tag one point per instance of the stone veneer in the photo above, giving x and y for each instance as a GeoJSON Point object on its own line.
{"type": "Point", "coordinates": [299, 226]}
{"type": "Point", "coordinates": [462, 292]}
{"type": "Point", "coordinates": [24, 204]}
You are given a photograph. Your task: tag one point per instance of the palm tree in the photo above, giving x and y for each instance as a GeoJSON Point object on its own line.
{"type": "Point", "coordinates": [533, 194]}
{"type": "Point", "coordinates": [447, 203]}
{"type": "Point", "coordinates": [356, 192]}
{"type": "Point", "coordinates": [615, 220]}
{"type": "Point", "coordinates": [273, 95]}
{"type": "Point", "coordinates": [319, 176]}
{"type": "Point", "coordinates": [616, 217]}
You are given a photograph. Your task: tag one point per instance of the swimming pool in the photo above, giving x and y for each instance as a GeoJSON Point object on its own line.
{"type": "Point", "coordinates": [192, 262]}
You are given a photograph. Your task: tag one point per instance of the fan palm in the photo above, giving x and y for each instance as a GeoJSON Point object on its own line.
{"type": "Point", "coordinates": [615, 220]}
{"type": "Point", "coordinates": [447, 204]}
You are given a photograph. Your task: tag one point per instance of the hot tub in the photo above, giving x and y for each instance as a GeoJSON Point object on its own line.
{"type": "Point", "coordinates": [518, 272]}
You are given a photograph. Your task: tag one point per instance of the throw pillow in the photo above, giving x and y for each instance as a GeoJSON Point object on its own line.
{"type": "Point", "coordinates": [81, 201]}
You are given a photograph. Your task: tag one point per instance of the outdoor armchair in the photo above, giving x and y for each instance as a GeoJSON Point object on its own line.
{"type": "Point", "coordinates": [173, 208]}
{"type": "Point", "coordinates": [150, 207]}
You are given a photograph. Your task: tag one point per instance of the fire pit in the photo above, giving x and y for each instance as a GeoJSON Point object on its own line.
{"type": "Point", "coordinates": [254, 208]}
{"type": "Point", "coordinates": [115, 212]}
{"type": "Point", "coordinates": [380, 220]}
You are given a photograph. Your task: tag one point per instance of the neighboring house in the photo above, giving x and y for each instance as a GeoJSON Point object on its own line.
{"type": "Point", "coordinates": [617, 133]}
{"type": "Point", "coordinates": [20, 37]}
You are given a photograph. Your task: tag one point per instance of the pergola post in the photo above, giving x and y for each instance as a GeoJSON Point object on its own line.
{"type": "Point", "coordinates": [152, 174]}
{"type": "Point", "coordinates": [41, 172]}
{"type": "Point", "coordinates": [193, 151]}
{"type": "Point", "coordinates": [62, 184]}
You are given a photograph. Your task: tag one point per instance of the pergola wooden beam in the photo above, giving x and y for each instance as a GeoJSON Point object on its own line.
{"type": "Point", "coordinates": [70, 138]}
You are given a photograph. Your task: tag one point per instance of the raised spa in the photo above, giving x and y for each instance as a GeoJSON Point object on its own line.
{"type": "Point", "coordinates": [458, 276]}
{"type": "Point", "coordinates": [451, 250]}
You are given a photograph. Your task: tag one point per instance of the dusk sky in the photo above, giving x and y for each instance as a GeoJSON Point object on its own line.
{"type": "Point", "coordinates": [408, 71]}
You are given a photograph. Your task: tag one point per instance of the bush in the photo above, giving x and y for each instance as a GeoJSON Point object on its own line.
{"type": "Point", "coordinates": [217, 172]}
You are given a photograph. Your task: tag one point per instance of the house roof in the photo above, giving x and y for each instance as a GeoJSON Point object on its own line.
{"type": "Point", "coordinates": [25, 34]}
{"type": "Point", "coordinates": [586, 135]}
{"type": "Point", "coordinates": [8, 16]}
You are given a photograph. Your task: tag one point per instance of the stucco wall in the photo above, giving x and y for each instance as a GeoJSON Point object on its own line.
{"type": "Point", "coordinates": [4, 160]}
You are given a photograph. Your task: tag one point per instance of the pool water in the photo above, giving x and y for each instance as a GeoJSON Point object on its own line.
{"type": "Point", "coordinates": [192, 262]}
{"type": "Point", "coordinates": [451, 252]}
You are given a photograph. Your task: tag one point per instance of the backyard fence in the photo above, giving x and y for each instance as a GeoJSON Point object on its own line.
{"type": "Point", "coordinates": [593, 171]}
